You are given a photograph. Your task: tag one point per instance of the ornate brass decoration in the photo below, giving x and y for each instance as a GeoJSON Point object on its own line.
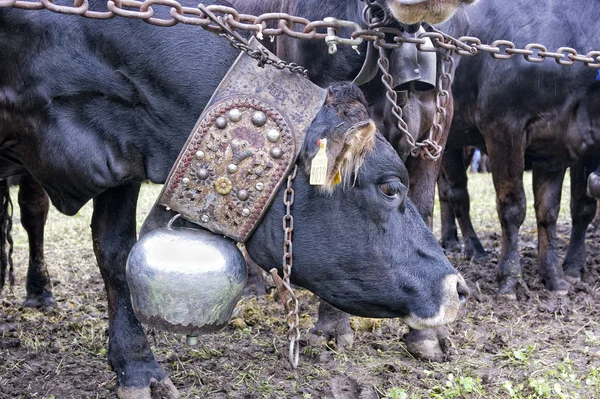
{"type": "Point", "coordinates": [223, 185]}
{"type": "Point", "coordinates": [242, 148]}
{"type": "Point", "coordinates": [243, 159]}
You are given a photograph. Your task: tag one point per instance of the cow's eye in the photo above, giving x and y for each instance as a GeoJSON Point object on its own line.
{"type": "Point", "coordinates": [393, 189]}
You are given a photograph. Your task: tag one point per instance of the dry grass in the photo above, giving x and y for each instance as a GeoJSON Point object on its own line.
{"type": "Point", "coordinates": [526, 349]}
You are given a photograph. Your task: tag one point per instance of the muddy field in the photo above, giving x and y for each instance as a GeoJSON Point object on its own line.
{"type": "Point", "coordinates": [536, 347]}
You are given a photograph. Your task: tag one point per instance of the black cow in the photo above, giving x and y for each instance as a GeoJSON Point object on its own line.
{"type": "Point", "coordinates": [418, 105]}
{"type": "Point", "coordinates": [91, 109]}
{"type": "Point", "coordinates": [34, 206]}
{"type": "Point", "coordinates": [542, 116]}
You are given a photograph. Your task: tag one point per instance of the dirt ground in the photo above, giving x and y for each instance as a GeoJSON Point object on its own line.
{"type": "Point", "coordinates": [539, 346]}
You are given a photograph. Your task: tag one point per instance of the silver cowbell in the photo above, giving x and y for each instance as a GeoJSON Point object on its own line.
{"type": "Point", "coordinates": [184, 280]}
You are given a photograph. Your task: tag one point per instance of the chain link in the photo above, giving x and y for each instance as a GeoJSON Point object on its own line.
{"type": "Point", "coordinates": [430, 147]}
{"type": "Point", "coordinates": [260, 53]}
{"type": "Point", "coordinates": [392, 96]}
{"type": "Point", "coordinates": [302, 28]}
{"type": "Point", "coordinates": [291, 302]}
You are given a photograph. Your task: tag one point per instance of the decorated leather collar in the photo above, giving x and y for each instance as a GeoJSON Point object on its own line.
{"type": "Point", "coordinates": [243, 146]}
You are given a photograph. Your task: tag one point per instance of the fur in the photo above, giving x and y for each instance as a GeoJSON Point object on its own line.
{"type": "Point", "coordinates": [432, 11]}
{"type": "Point", "coordinates": [359, 140]}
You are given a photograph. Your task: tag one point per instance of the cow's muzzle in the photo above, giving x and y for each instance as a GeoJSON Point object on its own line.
{"type": "Point", "coordinates": [454, 293]}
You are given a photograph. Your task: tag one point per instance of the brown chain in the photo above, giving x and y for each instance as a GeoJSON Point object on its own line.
{"type": "Point", "coordinates": [392, 97]}
{"type": "Point", "coordinates": [302, 28]}
{"type": "Point", "coordinates": [230, 19]}
{"type": "Point", "coordinates": [261, 54]}
{"type": "Point", "coordinates": [430, 147]}
{"type": "Point", "coordinates": [291, 301]}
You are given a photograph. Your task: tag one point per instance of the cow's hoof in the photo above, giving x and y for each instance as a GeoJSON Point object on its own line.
{"type": "Point", "coordinates": [429, 345]}
{"type": "Point", "coordinates": [573, 275]}
{"type": "Point", "coordinates": [476, 256]}
{"type": "Point", "coordinates": [43, 301]}
{"type": "Point", "coordinates": [341, 334]}
{"type": "Point", "coordinates": [157, 390]}
{"type": "Point", "coordinates": [511, 287]}
{"type": "Point", "coordinates": [558, 286]}
{"type": "Point", "coordinates": [507, 290]}
{"type": "Point", "coordinates": [555, 303]}
{"type": "Point", "coordinates": [474, 251]}
{"type": "Point", "coordinates": [451, 244]}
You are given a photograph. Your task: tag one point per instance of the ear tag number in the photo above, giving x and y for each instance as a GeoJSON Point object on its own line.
{"type": "Point", "coordinates": [318, 166]}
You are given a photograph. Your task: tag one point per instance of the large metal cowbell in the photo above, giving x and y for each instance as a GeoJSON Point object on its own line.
{"type": "Point", "coordinates": [243, 146]}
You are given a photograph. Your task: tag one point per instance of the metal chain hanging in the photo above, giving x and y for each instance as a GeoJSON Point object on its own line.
{"type": "Point", "coordinates": [291, 304]}
{"type": "Point", "coordinates": [430, 147]}
{"type": "Point", "coordinates": [284, 287]}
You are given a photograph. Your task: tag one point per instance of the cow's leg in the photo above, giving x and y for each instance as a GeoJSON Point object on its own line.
{"type": "Point", "coordinates": [113, 232]}
{"type": "Point", "coordinates": [34, 205]}
{"type": "Point", "coordinates": [455, 172]}
{"type": "Point", "coordinates": [423, 176]}
{"type": "Point", "coordinates": [332, 323]}
{"type": "Point", "coordinates": [449, 231]}
{"type": "Point", "coordinates": [583, 209]}
{"type": "Point", "coordinates": [547, 186]}
{"type": "Point", "coordinates": [6, 243]}
{"type": "Point", "coordinates": [507, 157]}
{"type": "Point", "coordinates": [256, 283]}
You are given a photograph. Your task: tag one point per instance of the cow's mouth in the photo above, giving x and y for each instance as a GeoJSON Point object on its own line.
{"type": "Point", "coordinates": [454, 293]}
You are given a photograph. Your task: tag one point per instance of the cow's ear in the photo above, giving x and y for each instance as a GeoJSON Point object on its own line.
{"type": "Point", "coordinates": [346, 151]}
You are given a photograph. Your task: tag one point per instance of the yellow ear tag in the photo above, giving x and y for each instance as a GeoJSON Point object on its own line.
{"type": "Point", "coordinates": [318, 166]}
{"type": "Point", "coordinates": [337, 179]}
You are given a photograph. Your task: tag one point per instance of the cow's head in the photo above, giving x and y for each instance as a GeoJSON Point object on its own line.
{"type": "Point", "coordinates": [431, 11]}
{"type": "Point", "coordinates": [360, 245]}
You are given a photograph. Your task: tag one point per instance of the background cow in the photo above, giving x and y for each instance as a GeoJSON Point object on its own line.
{"type": "Point", "coordinates": [34, 205]}
{"type": "Point", "coordinates": [97, 127]}
{"type": "Point", "coordinates": [540, 115]}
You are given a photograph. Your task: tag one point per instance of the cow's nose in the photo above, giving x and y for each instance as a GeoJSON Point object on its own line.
{"type": "Point", "coordinates": [462, 289]}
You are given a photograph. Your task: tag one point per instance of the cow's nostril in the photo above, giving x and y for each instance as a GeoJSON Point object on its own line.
{"type": "Point", "coordinates": [463, 290]}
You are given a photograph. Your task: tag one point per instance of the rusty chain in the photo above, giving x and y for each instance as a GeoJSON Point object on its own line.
{"type": "Point", "coordinates": [391, 95]}
{"type": "Point", "coordinates": [302, 28]}
{"type": "Point", "coordinates": [284, 288]}
{"type": "Point", "coordinates": [291, 301]}
{"type": "Point", "coordinates": [225, 20]}
{"type": "Point", "coordinates": [378, 19]}
{"type": "Point", "coordinates": [261, 54]}
{"type": "Point", "coordinates": [430, 147]}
